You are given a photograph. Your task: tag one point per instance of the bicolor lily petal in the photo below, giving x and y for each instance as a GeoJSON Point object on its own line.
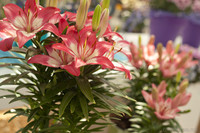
{"type": "Point", "coordinates": [148, 98]}
{"type": "Point", "coordinates": [164, 110]}
{"type": "Point", "coordinates": [29, 21]}
{"type": "Point", "coordinates": [161, 88]}
{"type": "Point", "coordinates": [7, 34]}
{"type": "Point", "coordinates": [56, 59]}
{"type": "Point", "coordinates": [181, 99]}
{"type": "Point", "coordinates": [86, 51]}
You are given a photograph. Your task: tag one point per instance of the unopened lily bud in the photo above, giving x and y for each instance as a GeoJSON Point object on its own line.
{"type": "Point", "coordinates": [82, 13]}
{"type": "Point", "coordinates": [183, 86]}
{"type": "Point", "coordinates": [105, 4]}
{"type": "Point", "coordinates": [183, 61]}
{"type": "Point", "coordinates": [152, 39]}
{"type": "Point", "coordinates": [155, 94]}
{"type": "Point", "coordinates": [104, 21]}
{"type": "Point", "coordinates": [178, 77]}
{"type": "Point", "coordinates": [51, 3]}
{"type": "Point", "coordinates": [169, 47]}
{"type": "Point", "coordinates": [177, 48]}
{"type": "Point", "coordinates": [96, 18]}
{"type": "Point", "coordinates": [159, 49]}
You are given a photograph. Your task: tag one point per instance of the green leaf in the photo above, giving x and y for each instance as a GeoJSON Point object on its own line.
{"type": "Point", "coordinates": [84, 106]}
{"type": "Point", "coordinates": [37, 124]}
{"type": "Point", "coordinates": [21, 98]}
{"type": "Point", "coordinates": [32, 114]}
{"type": "Point", "coordinates": [18, 114]}
{"type": "Point", "coordinates": [85, 88]}
{"type": "Point", "coordinates": [7, 96]}
{"type": "Point", "coordinates": [54, 128]}
{"type": "Point", "coordinates": [60, 87]}
{"type": "Point", "coordinates": [65, 101]}
{"type": "Point", "coordinates": [73, 105]}
{"type": "Point", "coordinates": [28, 127]}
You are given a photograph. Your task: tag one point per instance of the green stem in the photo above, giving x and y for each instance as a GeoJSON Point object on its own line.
{"type": "Point", "coordinates": [39, 45]}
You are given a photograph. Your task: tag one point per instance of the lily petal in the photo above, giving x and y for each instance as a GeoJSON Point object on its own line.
{"type": "Point", "coordinates": [15, 15]}
{"type": "Point", "coordinates": [23, 37]}
{"type": "Point", "coordinates": [44, 60]}
{"type": "Point", "coordinates": [71, 69]}
{"type": "Point", "coordinates": [6, 44]}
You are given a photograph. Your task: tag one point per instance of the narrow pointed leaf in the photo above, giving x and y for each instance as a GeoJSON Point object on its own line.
{"type": "Point", "coordinates": [85, 88]}
{"type": "Point", "coordinates": [65, 101]}
{"type": "Point", "coordinates": [84, 106]}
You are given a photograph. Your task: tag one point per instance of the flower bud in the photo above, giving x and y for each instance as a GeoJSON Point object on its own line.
{"type": "Point", "coordinates": [96, 18]}
{"type": "Point", "coordinates": [177, 48]}
{"type": "Point", "coordinates": [159, 49]}
{"type": "Point", "coordinates": [104, 22]}
{"type": "Point", "coordinates": [155, 94]}
{"type": "Point", "coordinates": [152, 39]}
{"type": "Point", "coordinates": [183, 61]}
{"type": "Point", "coordinates": [169, 47]}
{"type": "Point", "coordinates": [82, 13]}
{"type": "Point", "coordinates": [105, 4]}
{"type": "Point", "coordinates": [178, 77]}
{"type": "Point", "coordinates": [184, 84]}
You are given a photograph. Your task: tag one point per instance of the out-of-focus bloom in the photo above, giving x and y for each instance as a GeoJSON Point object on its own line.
{"type": "Point", "coordinates": [166, 108]}
{"type": "Point", "coordinates": [182, 4]}
{"type": "Point", "coordinates": [56, 58]}
{"type": "Point", "coordinates": [187, 48]}
{"type": "Point", "coordinates": [149, 53]}
{"type": "Point", "coordinates": [144, 54]}
{"type": "Point", "coordinates": [172, 62]}
{"type": "Point", "coordinates": [29, 21]}
{"type": "Point", "coordinates": [183, 97]}
{"type": "Point", "coordinates": [196, 6]}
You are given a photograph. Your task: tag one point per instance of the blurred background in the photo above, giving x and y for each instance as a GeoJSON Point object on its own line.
{"type": "Point", "coordinates": [177, 20]}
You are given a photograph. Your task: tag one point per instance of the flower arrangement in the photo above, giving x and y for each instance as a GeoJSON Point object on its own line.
{"type": "Point", "coordinates": [66, 70]}
{"type": "Point", "coordinates": [159, 86]}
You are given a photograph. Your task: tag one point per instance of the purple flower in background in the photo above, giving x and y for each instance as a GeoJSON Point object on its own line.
{"type": "Point", "coordinates": [187, 48]}
{"type": "Point", "coordinates": [182, 4]}
{"type": "Point", "coordinates": [196, 6]}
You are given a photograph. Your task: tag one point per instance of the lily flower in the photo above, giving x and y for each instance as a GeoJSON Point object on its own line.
{"type": "Point", "coordinates": [172, 62]}
{"type": "Point", "coordinates": [56, 59]}
{"type": "Point", "coordinates": [86, 51]}
{"type": "Point", "coordinates": [29, 21]}
{"type": "Point", "coordinates": [164, 110]}
{"type": "Point", "coordinates": [182, 98]}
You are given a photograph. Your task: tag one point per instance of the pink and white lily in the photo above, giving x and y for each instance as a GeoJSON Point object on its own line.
{"type": "Point", "coordinates": [29, 21]}
{"type": "Point", "coordinates": [86, 51]}
{"type": "Point", "coordinates": [164, 109]}
{"type": "Point", "coordinates": [57, 59]}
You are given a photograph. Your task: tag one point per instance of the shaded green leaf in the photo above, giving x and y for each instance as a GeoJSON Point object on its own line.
{"type": "Point", "coordinates": [85, 88]}
{"type": "Point", "coordinates": [84, 106]}
{"type": "Point", "coordinates": [65, 101]}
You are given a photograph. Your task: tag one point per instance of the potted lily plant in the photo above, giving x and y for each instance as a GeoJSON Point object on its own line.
{"type": "Point", "coordinates": [158, 85]}
{"type": "Point", "coordinates": [66, 73]}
